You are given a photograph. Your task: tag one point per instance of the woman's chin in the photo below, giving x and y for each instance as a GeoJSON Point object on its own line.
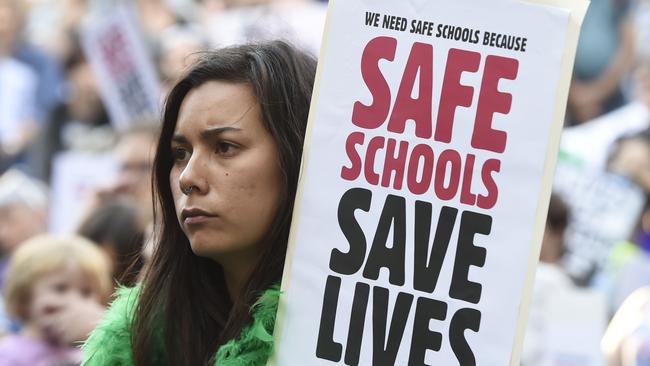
{"type": "Point", "coordinates": [204, 248]}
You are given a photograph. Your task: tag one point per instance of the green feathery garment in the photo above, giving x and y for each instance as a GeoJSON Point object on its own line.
{"type": "Point", "coordinates": [110, 342]}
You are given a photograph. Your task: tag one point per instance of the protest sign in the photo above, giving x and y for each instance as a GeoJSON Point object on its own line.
{"type": "Point", "coordinates": [426, 175]}
{"type": "Point", "coordinates": [591, 142]}
{"type": "Point", "coordinates": [75, 176]}
{"type": "Point", "coordinates": [604, 209]}
{"type": "Point", "coordinates": [126, 76]}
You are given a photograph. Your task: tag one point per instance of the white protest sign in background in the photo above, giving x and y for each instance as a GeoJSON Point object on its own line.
{"type": "Point", "coordinates": [591, 142]}
{"type": "Point", "coordinates": [604, 208]}
{"type": "Point", "coordinates": [127, 79]}
{"type": "Point", "coordinates": [75, 177]}
{"type": "Point", "coordinates": [425, 172]}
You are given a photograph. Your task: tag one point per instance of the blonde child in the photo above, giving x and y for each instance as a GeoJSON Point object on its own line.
{"type": "Point", "coordinates": [57, 287]}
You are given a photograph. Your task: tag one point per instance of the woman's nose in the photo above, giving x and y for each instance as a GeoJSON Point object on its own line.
{"type": "Point", "coordinates": [192, 179]}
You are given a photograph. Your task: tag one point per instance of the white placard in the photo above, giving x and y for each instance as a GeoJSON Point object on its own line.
{"type": "Point", "coordinates": [604, 208]}
{"type": "Point", "coordinates": [75, 176]}
{"type": "Point", "coordinates": [427, 170]}
{"type": "Point", "coordinates": [126, 75]}
{"type": "Point", "coordinates": [591, 142]}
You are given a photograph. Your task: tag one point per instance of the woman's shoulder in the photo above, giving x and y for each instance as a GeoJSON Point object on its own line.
{"type": "Point", "coordinates": [110, 342]}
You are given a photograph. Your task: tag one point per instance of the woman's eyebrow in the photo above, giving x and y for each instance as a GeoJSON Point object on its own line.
{"type": "Point", "coordinates": [205, 135]}
{"type": "Point", "coordinates": [210, 133]}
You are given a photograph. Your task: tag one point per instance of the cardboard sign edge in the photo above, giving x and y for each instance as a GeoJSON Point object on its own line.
{"type": "Point", "coordinates": [291, 244]}
{"type": "Point", "coordinates": [577, 10]}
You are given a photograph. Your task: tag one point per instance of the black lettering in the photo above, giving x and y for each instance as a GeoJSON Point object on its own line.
{"type": "Point", "coordinates": [384, 354]}
{"type": "Point", "coordinates": [357, 321]}
{"type": "Point", "coordinates": [350, 262]}
{"type": "Point", "coordinates": [463, 319]}
{"type": "Point", "coordinates": [393, 214]}
{"type": "Point", "coordinates": [427, 266]}
{"type": "Point", "coordinates": [467, 254]}
{"type": "Point", "coordinates": [423, 338]}
{"type": "Point", "coordinates": [326, 347]}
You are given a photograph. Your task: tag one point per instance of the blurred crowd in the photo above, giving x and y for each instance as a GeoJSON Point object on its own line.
{"type": "Point", "coordinates": [76, 213]}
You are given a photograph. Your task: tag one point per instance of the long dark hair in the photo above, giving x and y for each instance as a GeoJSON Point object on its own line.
{"type": "Point", "coordinates": [185, 313]}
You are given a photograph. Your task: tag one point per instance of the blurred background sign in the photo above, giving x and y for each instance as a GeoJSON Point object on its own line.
{"type": "Point", "coordinates": [605, 208]}
{"type": "Point", "coordinates": [76, 176]}
{"type": "Point", "coordinates": [127, 78]}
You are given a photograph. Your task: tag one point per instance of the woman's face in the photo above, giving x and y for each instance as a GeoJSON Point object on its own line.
{"type": "Point", "coordinates": [226, 179]}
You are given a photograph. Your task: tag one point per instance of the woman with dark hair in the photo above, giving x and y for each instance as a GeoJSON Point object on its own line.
{"type": "Point", "coordinates": [225, 178]}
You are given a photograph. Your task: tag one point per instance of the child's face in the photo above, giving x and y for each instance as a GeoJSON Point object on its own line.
{"type": "Point", "coordinates": [57, 290]}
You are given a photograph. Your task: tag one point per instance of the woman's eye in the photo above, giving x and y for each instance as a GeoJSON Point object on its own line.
{"type": "Point", "coordinates": [226, 148]}
{"type": "Point", "coordinates": [180, 154]}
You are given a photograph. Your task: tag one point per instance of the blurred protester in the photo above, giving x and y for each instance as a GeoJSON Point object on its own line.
{"type": "Point", "coordinates": [23, 213]}
{"type": "Point", "coordinates": [557, 221]}
{"type": "Point", "coordinates": [155, 17]}
{"type": "Point", "coordinates": [58, 289]}
{"type": "Point", "coordinates": [17, 116]}
{"type": "Point", "coordinates": [179, 47]}
{"type": "Point", "coordinates": [604, 56]}
{"type": "Point", "coordinates": [627, 339]}
{"type": "Point", "coordinates": [48, 71]}
{"type": "Point", "coordinates": [549, 278]}
{"type": "Point", "coordinates": [18, 86]}
{"type": "Point", "coordinates": [642, 78]}
{"type": "Point", "coordinates": [53, 25]}
{"type": "Point", "coordinates": [134, 153]}
{"type": "Point", "coordinates": [117, 228]}
{"type": "Point", "coordinates": [559, 332]}
{"type": "Point", "coordinates": [628, 267]}
{"type": "Point", "coordinates": [81, 123]}
{"type": "Point", "coordinates": [630, 157]}
{"type": "Point", "coordinates": [642, 25]}
{"type": "Point", "coordinates": [240, 21]}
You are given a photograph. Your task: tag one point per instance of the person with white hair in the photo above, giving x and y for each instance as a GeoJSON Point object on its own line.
{"type": "Point", "coordinates": [23, 213]}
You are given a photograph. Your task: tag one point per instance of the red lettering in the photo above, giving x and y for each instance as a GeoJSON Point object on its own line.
{"type": "Point", "coordinates": [394, 163]}
{"type": "Point", "coordinates": [374, 115]}
{"type": "Point", "coordinates": [353, 172]}
{"type": "Point", "coordinates": [488, 201]}
{"type": "Point", "coordinates": [491, 101]}
{"type": "Point", "coordinates": [418, 109]}
{"type": "Point", "coordinates": [375, 144]}
{"type": "Point", "coordinates": [453, 93]}
{"type": "Point", "coordinates": [447, 157]}
{"type": "Point", "coordinates": [466, 195]}
{"type": "Point", "coordinates": [421, 153]}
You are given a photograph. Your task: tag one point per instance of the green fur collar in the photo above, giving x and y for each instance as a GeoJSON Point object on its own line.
{"type": "Point", "coordinates": [255, 343]}
{"type": "Point", "coordinates": [110, 342]}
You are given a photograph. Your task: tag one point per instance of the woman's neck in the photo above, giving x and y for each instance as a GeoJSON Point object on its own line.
{"type": "Point", "coordinates": [236, 272]}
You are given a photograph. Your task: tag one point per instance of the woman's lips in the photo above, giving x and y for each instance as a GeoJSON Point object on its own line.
{"type": "Point", "coordinates": [193, 216]}
{"type": "Point", "coordinates": [193, 220]}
